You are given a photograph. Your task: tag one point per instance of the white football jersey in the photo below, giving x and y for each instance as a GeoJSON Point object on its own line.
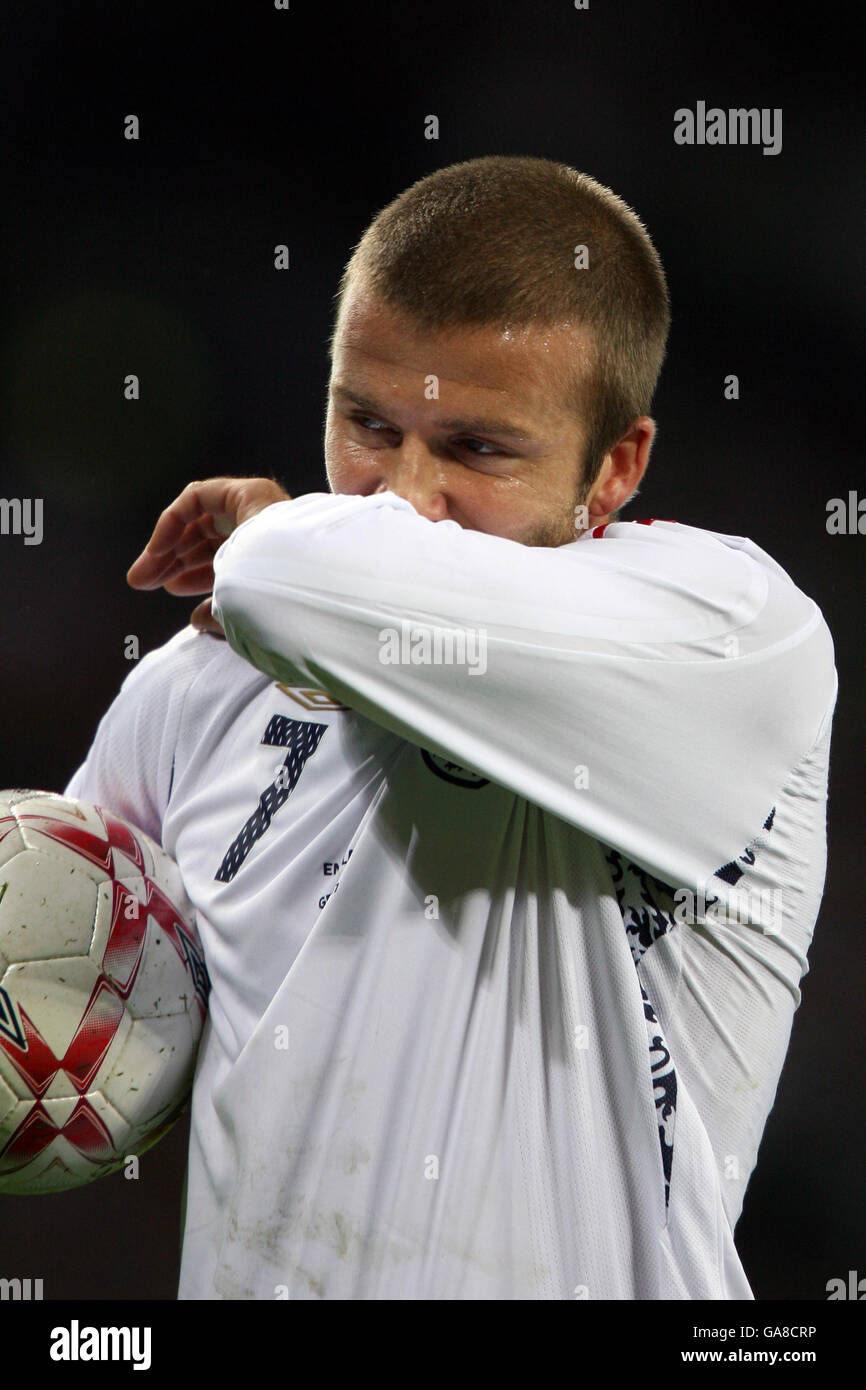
{"type": "Point", "coordinates": [506, 863]}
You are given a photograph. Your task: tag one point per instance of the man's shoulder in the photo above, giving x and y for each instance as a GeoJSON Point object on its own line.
{"type": "Point", "coordinates": [664, 541]}
{"type": "Point", "coordinates": [730, 581]}
{"type": "Point", "coordinates": [669, 533]}
{"type": "Point", "coordinates": [191, 658]}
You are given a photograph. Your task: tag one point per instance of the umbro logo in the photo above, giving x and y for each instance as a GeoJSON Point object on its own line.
{"type": "Point", "coordinates": [310, 699]}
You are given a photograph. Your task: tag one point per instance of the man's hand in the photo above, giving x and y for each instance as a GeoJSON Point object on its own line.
{"type": "Point", "coordinates": [179, 555]}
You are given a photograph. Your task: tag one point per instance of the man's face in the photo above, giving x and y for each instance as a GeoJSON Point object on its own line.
{"type": "Point", "coordinates": [469, 425]}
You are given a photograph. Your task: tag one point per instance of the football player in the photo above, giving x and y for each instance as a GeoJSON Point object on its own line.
{"type": "Point", "coordinates": [504, 818]}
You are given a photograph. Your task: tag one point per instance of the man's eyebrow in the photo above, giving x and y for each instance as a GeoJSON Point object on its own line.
{"type": "Point", "coordinates": [463, 426]}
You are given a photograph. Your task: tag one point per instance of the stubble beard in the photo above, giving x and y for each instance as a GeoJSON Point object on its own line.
{"type": "Point", "coordinates": [561, 531]}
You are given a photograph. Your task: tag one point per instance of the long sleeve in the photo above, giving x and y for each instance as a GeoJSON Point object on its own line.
{"type": "Point", "coordinates": [652, 685]}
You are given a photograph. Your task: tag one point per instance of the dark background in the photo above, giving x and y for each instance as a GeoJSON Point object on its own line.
{"type": "Point", "coordinates": [156, 257]}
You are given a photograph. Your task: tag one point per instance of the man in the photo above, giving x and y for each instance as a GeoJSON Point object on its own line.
{"type": "Point", "coordinates": [504, 820]}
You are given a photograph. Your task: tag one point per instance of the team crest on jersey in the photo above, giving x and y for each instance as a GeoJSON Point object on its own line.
{"type": "Point", "coordinates": [310, 699]}
{"type": "Point", "coordinates": [453, 772]}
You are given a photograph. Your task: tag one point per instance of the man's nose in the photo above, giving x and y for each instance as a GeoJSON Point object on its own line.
{"type": "Point", "coordinates": [415, 474]}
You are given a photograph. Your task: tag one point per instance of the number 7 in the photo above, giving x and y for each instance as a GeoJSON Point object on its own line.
{"type": "Point", "coordinates": [302, 740]}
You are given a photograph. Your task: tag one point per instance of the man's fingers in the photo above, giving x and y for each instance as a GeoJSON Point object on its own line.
{"type": "Point", "coordinates": [217, 505]}
{"type": "Point", "coordinates": [190, 581]}
{"type": "Point", "coordinates": [190, 530]}
{"type": "Point", "coordinates": [189, 518]}
{"type": "Point", "coordinates": [150, 571]}
{"type": "Point", "coordinates": [203, 618]}
{"type": "Point", "coordinates": [252, 495]}
{"type": "Point", "coordinates": [198, 533]}
{"type": "Point", "coordinates": [197, 544]}
{"type": "Point", "coordinates": [195, 552]}
{"type": "Point", "coordinates": [211, 497]}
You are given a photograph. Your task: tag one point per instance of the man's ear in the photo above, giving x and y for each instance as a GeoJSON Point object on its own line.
{"type": "Point", "coordinates": [622, 471]}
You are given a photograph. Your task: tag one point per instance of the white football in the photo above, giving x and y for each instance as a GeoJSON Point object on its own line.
{"type": "Point", "coordinates": [103, 992]}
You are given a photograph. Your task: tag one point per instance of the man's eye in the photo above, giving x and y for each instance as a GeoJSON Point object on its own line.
{"type": "Point", "coordinates": [367, 422]}
{"type": "Point", "coordinates": [480, 448]}
{"type": "Point", "coordinates": [466, 443]}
